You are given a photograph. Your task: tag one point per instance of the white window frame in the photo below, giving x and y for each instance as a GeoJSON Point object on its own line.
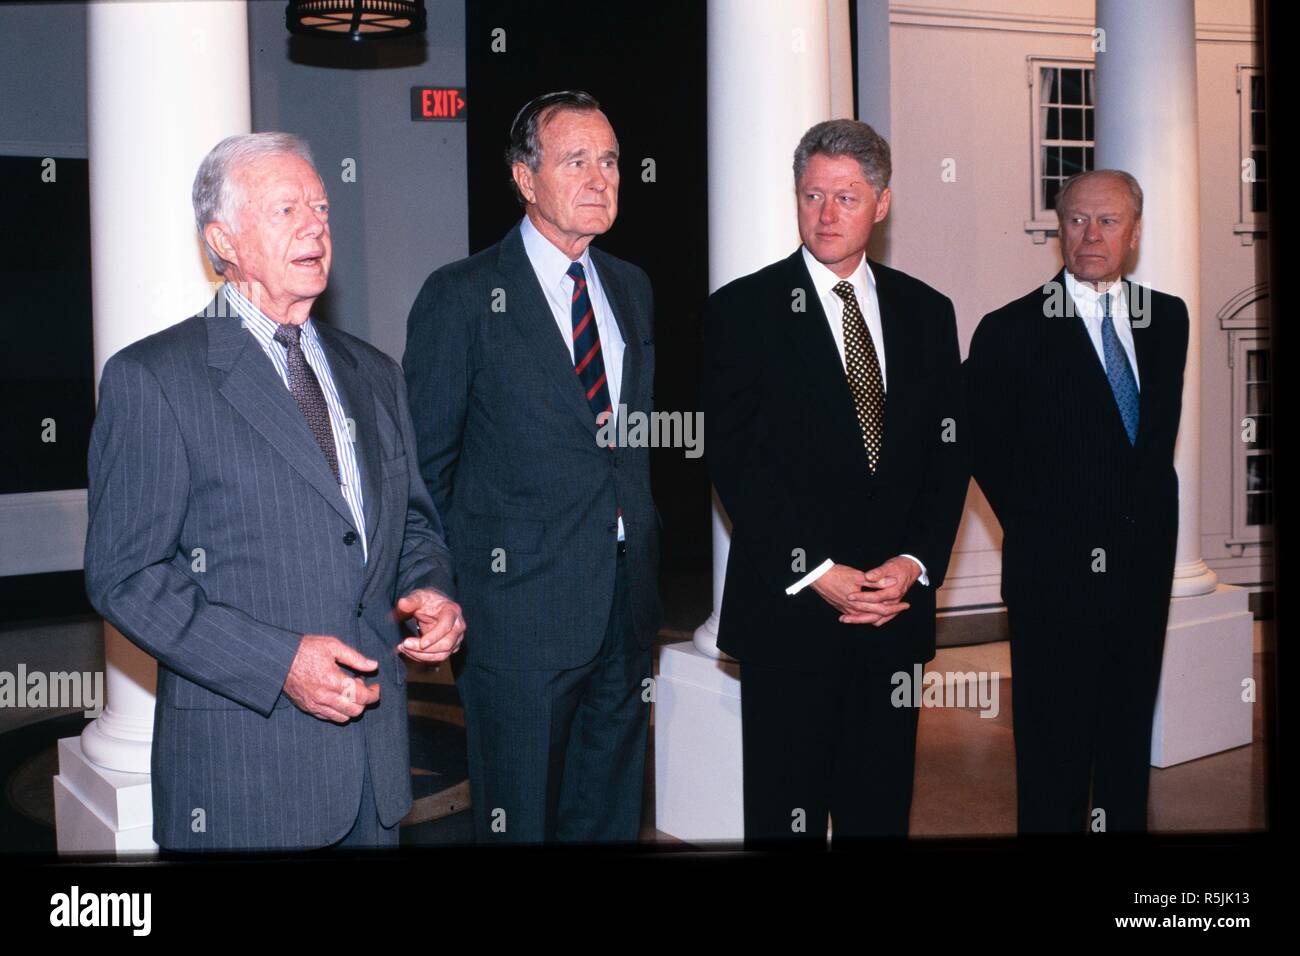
{"type": "Point", "coordinates": [1240, 342]}
{"type": "Point", "coordinates": [1043, 222]}
{"type": "Point", "coordinates": [1250, 225]}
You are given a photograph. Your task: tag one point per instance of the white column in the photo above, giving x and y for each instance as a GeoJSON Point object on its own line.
{"type": "Point", "coordinates": [1147, 125]}
{"type": "Point", "coordinates": [165, 82]}
{"type": "Point", "coordinates": [769, 75]}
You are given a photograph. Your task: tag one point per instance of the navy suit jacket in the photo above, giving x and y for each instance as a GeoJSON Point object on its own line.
{"type": "Point", "coordinates": [218, 537]}
{"type": "Point", "coordinates": [508, 451]}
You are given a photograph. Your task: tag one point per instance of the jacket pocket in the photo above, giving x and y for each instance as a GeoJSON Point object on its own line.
{"type": "Point", "coordinates": [518, 535]}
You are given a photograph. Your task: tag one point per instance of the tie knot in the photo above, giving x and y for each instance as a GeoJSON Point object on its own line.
{"type": "Point", "coordinates": [575, 272]}
{"type": "Point", "coordinates": [288, 335]}
{"type": "Point", "coordinates": [844, 289]}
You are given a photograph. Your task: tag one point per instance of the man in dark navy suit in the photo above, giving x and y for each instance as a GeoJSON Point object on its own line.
{"type": "Point", "coordinates": [1074, 395]}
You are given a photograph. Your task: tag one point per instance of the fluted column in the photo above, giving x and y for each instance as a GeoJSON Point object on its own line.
{"type": "Point", "coordinates": [1147, 125]}
{"type": "Point", "coordinates": [770, 78]}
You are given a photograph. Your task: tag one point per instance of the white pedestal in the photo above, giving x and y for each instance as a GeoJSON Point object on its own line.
{"type": "Point", "coordinates": [698, 771]}
{"type": "Point", "coordinates": [1209, 652]}
{"type": "Point", "coordinates": [99, 811]}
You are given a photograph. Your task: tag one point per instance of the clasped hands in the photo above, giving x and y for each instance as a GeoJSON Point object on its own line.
{"type": "Point", "coordinates": [868, 597]}
{"type": "Point", "coordinates": [320, 687]}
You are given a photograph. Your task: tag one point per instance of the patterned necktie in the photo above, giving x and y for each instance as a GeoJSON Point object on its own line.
{"type": "Point", "coordinates": [307, 393]}
{"type": "Point", "coordinates": [863, 369]}
{"type": "Point", "coordinates": [587, 360]}
{"type": "Point", "coordinates": [1123, 383]}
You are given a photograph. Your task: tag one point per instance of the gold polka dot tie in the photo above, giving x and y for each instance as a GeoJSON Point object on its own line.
{"type": "Point", "coordinates": [863, 369]}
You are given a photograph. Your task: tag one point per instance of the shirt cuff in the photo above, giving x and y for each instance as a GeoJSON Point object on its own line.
{"type": "Point", "coordinates": [810, 577]}
{"type": "Point", "coordinates": [924, 578]}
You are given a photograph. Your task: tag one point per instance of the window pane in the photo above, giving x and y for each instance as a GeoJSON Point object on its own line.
{"type": "Point", "coordinates": [1259, 473]}
{"type": "Point", "coordinates": [1089, 163]}
{"type": "Point", "coordinates": [1072, 124]}
{"type": "Point", "coordinates": [1053, 124]}
{"type": "Point", "coordinates": [1259, 509]}
{"type": "Point", "coordinates": [1263, 434]}
{"type": "Point", "coordinates": [1089, 130]}
{"type": "Point", "coordinates": [1258, 197]}
{"type": "Point", "coordinates": [1256, 399]}
{"type": "Point", "coordinates": [1072, 86]}
{"type": "Point", "coordinates": [1256, 92]}
{"type": "Point", "coordinates": [1050, 189]}
{"type": "Point", "coordinates": [1054, 88]}
{"type": "Point", "coordinates": [1090, 86]}
{"type": "Point", "coordinates": [1052, 161]}
{"type": "Point", "coordinates": [1071, 160]}
{"type": "Point", "coordinates": [1257, 129]}
{"type": "Point", "coordinates": [1257, 365]}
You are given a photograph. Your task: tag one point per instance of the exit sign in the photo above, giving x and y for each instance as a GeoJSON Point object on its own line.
{"type": "Point", "coordinates": [438, 103]}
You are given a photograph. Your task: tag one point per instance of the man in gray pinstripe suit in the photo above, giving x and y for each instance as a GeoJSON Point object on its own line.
{"type": "Point", "coordinates": [259, 525]}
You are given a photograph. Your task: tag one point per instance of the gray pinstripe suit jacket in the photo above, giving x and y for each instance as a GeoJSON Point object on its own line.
{"type": "Point", "coordinates": [197, 444]}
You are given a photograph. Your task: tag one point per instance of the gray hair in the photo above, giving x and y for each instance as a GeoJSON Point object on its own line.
{"type": "Point", "coordinates": [1130, 183]}
{"type": "Point", "coordinates": [525, 144]}
{"type": "Point", "coordinates": [214, 192]}
{"type": "Point", "coordinates": [846, 137]}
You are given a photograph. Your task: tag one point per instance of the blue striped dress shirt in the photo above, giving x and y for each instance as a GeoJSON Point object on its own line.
{"type": "Point", "coordinates": [263, 329]}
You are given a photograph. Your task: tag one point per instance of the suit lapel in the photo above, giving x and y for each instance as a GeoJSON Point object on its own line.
{"type": "Point", "coordinates": [1082, 355]}
{"type": "Point", "coordinates": [358, 400]}
{"type": "Point", "coordinates": [810, 335]}
{"type": "Point", "coordinates": [527, 307]}
{"type": "Point", "coordinates": [620, 301]}
{"type": "Point", "coordinates": [1144, 345]}
{"type": "Point", "coordinates": [257, 393]}
{"type": "Point", "coordinates": [895, 329]}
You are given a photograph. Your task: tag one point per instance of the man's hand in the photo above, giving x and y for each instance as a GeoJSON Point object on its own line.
{"type": "Point", "coordinates": [438, 617]}
{"type": "Point", "coordinates": [883, 599]}
{"type": "Point", "coordinates": [318, 686]}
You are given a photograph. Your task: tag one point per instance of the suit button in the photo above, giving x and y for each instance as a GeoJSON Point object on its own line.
{"type": "Point", "coordinates": [350, 538]}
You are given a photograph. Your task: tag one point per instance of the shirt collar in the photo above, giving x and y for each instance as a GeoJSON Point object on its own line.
{"type": "Point", "coordinates": [824, 281]}
{"type": "Point", "coordinates": [1089, 299]}
{"type": "Point", "coordinates": [549, 261]}
{"type": "Point", "coordinates": [256, 321]}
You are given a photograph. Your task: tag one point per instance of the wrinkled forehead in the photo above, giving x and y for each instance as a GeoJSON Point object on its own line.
{"type": "Point", "coordinates": [568, 129]}
{"type": "Point", "coordinates": [278, 174]}
{"type": "Point", "coordinates": [1102, 194]}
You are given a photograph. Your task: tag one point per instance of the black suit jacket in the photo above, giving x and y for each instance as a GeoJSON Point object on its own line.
{"type": "Point", "coordinates": [1052, 456]}
{"type": "Point", "coordinates": [509, 454]}
{"type": "Point", "coordinates": [785, 454]}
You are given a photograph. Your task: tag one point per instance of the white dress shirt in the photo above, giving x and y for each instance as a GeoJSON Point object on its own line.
{"type": "Point", "coordinates": [551, 266]}
{"type": "Point", "coordinates": [1088, 307]}
{"type": "Point", "coordinates": [864, 290]}
{"type": "Point", "coordinates": [263, 329]}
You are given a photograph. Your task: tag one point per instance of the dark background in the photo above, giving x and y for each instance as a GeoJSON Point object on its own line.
{"type": "Point", "coordinates": [645, 63]}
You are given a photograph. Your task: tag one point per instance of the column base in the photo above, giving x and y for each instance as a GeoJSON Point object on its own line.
{"type": "Point", "coordinates": [1209, 651]}
{"type": "Point", "coordinates": [705, 640]}
{"type": "Point", "coordinates": [98, 811]}
{"type": "Point", "coordinates": [698, 772]}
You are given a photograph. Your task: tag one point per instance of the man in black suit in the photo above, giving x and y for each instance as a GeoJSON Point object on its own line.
{"type": "Point", "coordinates": [1074, 394]}
{"type": "Point", "coordinates": [831, 401]}
{"type": "Point", "coordinates": [514, 358]}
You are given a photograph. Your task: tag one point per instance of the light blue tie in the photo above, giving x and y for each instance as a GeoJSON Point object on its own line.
{"type": "Point", "coordinates": [1122, 381]}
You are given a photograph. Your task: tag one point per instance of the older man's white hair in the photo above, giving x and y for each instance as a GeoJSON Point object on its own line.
{"type": "Point", "coordinates": [215, 193]}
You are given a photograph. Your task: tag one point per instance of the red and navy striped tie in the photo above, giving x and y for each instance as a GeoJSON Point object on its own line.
{"type": "Point", "coordinates": [587, 359]}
